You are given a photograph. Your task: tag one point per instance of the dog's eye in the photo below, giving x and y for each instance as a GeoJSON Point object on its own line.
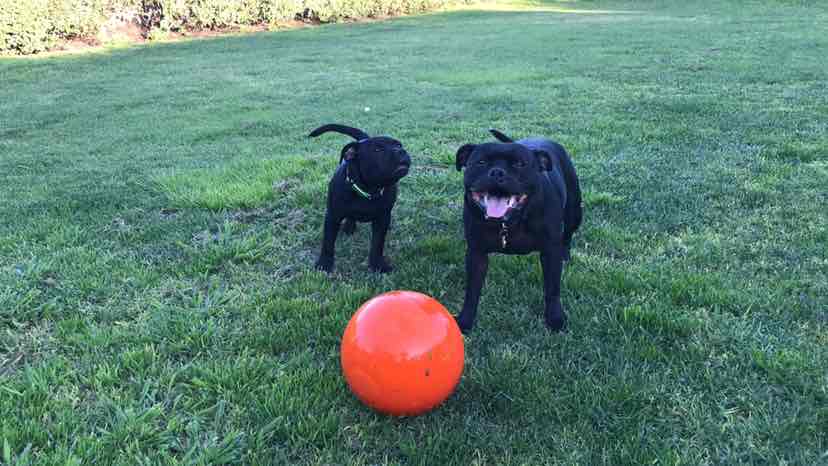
{"type": "Point", "coordinates": [482, 162]}
{"type": "Point", "coordinates": [377, 149]}
{"type": "Point", "coordinates": [520, 164]}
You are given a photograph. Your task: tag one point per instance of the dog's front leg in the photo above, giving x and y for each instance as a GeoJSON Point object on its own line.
{"type": "Point", "coordinates": [376, 259]}
{"type": "Point", "coordinates": [552, 265]}
{"type": "Point", "coordinates": [477, 264]}
{"type": "Point", "coordinates": [331, 230]}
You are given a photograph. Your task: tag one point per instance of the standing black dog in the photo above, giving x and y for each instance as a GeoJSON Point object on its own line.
{"type": "Point", "coordinates": [520, 197]}
{"type": "Point", "coordinates": [363, 189]}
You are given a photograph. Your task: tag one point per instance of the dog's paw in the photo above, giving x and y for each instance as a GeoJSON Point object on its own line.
{"type": "Point", "coordinates": [325, 264]}
{"type": "Point", "coordinates": [381, 266]}
{"type": "Point", "coordinates": [349, 227]}
{"type": "Point", "coordinates": [464, 324]}
{"type": "Point", "coordinates": [555, 317]}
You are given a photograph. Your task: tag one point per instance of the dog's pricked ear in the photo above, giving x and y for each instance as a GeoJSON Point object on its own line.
{"type": "Point", "coordinates": [500, 136]}
{"type": "Point", "coordinates": [544, 159]}
{"type": "Point", "coordinates": [463, 154]}
{"type": "Point", "coordinates": [349, 152]}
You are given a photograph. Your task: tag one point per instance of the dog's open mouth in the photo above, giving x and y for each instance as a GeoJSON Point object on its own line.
{"type": "Point", "coordinates": [498, 205]}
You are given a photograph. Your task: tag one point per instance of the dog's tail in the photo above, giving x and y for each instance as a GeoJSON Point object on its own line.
{"type": "Point", "coordinates": [355, 133]}
{"type": "Point", "coordinates": [500, 136]}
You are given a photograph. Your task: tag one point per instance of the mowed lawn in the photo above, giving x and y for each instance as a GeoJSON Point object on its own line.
{"type": "Point", "coordinates": [161, 208]}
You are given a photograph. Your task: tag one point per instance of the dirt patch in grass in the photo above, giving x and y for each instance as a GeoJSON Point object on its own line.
{"type": "Point", "coordinates": [22, 346]}
{"type": "Point", "coordinates": [247, 215]}
{"type": "Point", "coordinates": [118, 29]}
{"type": "Point", "coordinates": [128, 31]}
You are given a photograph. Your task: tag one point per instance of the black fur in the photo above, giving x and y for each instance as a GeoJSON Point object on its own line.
{"type": "Point", "coordinates": [355, 133]}
{"type": "Point", "coordinates": [500, 136]}
{"type": "Point", "coordinates": [544, 222]}
{"type": "Point", "coordinates": [373, 166]}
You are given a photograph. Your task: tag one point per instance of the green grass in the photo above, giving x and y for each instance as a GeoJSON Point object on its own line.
{"type": "Point", "coordinates": [161, 208]}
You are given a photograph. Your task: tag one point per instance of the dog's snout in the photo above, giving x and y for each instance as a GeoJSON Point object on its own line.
{"type": "Point", "coordinates": [497, 173]}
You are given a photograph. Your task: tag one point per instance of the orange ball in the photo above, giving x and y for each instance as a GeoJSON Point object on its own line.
{"type": "Point", "coordinates": [402, 353]}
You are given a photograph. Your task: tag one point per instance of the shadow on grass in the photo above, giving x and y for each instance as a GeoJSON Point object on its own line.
{"type": "Point", "coordinates": [232, 38]}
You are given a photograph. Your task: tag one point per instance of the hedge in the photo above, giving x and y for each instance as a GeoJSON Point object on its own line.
{"type": "Point", "coordinates": [31, 26]}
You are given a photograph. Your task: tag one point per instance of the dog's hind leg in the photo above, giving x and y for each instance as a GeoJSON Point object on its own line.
{"type": "Point", "coordinates": [349, 227]}
{"type": "Point", "coordinates": [573, 213]}
{"type": "Point", "coordinates": [329, 234]}
{"type": "Point", "coordinates": [573, 210]}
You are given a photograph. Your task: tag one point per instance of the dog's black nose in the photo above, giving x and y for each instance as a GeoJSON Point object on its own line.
{"type": "Point", "coordinates": [497, 173]}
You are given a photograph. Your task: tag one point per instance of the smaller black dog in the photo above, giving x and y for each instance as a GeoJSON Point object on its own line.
{"type": "Point", "coordinates": [363, 189]}
{"type": "Point", "coordinates": [520, 197]}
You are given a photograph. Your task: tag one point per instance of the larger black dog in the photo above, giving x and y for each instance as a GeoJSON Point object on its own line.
{"type": "Point", "coordinates": [363, 189]}
{"type": "Point", "coordinates": [520, 197]}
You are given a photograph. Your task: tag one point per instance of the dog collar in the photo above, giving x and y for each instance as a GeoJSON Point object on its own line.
{"type": "Point", "coordinates": [359, 190]}
{"type": "Point", "coordinates": [364, 193]}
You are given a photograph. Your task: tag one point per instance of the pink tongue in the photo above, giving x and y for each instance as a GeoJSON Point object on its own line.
{"type": "Point", "coordinates": [496, 207]}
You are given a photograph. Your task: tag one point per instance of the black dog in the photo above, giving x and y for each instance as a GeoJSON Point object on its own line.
{"type": "Point", "coordinates": [363, 189]}
{"type": "Point", "coordinates": [520, 197]}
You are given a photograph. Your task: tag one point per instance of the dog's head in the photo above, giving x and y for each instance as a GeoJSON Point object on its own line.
{"type": "Point", "coordinates": [379, 161]}
{"type": "Point", "coordinates": [500, 178]}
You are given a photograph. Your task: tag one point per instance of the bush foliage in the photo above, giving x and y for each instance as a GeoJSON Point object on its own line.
{"type": "Point", "coordinates": [31, 26]}
{"type": "Point", "coordinates": [28, 26]}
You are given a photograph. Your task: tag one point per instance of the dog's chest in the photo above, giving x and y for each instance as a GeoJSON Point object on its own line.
{"type": "Point", "coordinates": [511, 239]}
{"type": "Point", "coordinates": [364, 210]}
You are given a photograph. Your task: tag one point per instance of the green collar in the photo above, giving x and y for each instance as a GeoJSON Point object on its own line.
{"type": "Point", "coordinates": [359, 190]}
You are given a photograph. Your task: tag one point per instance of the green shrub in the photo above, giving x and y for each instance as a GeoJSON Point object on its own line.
{"type": "Point", "coordinates": [24, 26]}
{"type": "Point", "coordinates": [31, 26]}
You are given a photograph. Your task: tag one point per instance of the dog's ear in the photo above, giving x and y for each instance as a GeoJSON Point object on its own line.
{"type": "Point", "coordinates": [463, 154]}
{"type": "Point", "coordinates": [349, 152]}
{"type": "Point", "coordinates": [500, 136]}
{"type": "Point", "coordinates": [544, 159]}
